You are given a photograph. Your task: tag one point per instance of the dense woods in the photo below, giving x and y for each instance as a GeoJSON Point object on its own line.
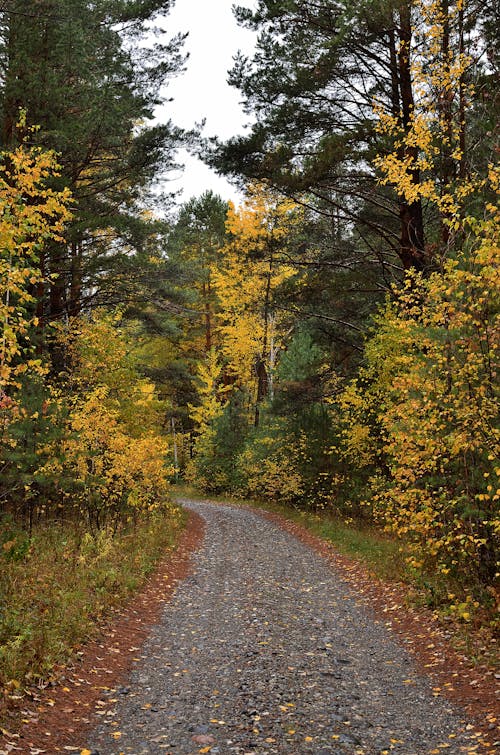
{"type": "Point", "coordinates": [331, 344]}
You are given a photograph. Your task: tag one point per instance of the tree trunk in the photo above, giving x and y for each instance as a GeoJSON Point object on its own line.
{"type": "Point", "coordinates": [75, 288]}
{"type": "Point", "coordinates": [260, 368]}
{"type": "Point", "coordinates": [412, 241]}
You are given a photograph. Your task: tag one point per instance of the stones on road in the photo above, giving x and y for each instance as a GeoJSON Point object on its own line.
{"type": "Point", "coordinates": [264, 650]}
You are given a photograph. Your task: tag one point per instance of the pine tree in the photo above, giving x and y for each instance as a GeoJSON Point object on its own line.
{"type": "Point", "coordinates": [82, 74]}
{"type": "Point", "coordinates": [312, 85]}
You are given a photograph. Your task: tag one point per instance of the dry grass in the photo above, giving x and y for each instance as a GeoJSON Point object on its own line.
{"type": "Point", "coordinates": [57, 585]}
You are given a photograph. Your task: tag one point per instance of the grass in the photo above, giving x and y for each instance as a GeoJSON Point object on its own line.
{"type": "Point", "coordinates": [56, 586]}
{"type": "Point", "coordinates": [381, 554]}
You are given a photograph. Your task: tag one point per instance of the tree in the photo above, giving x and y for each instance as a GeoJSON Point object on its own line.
{"type": "Point", "coordinates": [195, 243]}
{"type": "Point", "coordinates": [253, 264]}
{"type": "Point", "coordinates": [83, 74]}
{"type": "Point", "coordinates": [422, 416]}
{"type": "Point", "coordinates": [236, 376]}
{"type": "Point", "coordinates": [113, 461]}
{"type": "Point", "coordinates": [432, 142]}
{"type": "Point", "coordinates": [31, 214]}
{"type": "Point", "coordinates": [312, 85]}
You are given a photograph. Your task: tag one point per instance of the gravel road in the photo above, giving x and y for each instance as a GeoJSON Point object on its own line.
{"type": "Point", "coordinates": [264, 649]}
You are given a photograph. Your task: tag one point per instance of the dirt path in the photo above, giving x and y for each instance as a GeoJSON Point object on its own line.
{"type": "Point", "coordinates": [265, 649]}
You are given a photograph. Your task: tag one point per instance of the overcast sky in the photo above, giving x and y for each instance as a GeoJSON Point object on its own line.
{"type": "Point", "coordinates": [202, 91]}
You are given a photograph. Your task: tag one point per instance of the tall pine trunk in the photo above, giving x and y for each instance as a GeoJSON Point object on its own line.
{"type": "Point", "coordinates": [412, 240]}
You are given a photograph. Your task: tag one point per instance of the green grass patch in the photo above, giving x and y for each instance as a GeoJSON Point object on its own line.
{"type": "Point", "coordinates": [61, 583]}
{"type": "Point", "coordinates": [378, 552]}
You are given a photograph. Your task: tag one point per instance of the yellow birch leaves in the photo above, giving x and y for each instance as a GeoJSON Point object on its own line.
{"type": "Point", "coordinates": [31, 214]}
{"type": "Point", "coordinates": [425, 411]}
{"type": "Point", "coordinates": [433, 142]}
{"type": "Point", "coordinates": [253, 264]}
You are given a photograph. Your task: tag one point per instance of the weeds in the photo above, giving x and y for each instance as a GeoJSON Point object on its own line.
{"type": "Point", "coordinates": [57, 585]}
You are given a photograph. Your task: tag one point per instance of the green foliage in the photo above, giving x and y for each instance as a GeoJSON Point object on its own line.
{"type": "Point", "coordinates": [31, 446]}
{"type": "Point", "coordinates": [311, 85]}
{"type": "Point", "coordinates": [14, 541]}
{"type": "Point", "coordinates": [268, 466]}
{"type": "Point", "coordinates": [214, 466]}
{"type": "Point", "coordinates": [300, 361]}
{"type": "Point", "coordinates": [90, 82]}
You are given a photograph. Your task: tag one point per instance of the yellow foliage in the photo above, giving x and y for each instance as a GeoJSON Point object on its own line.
{"type": "Point", "coordinates": [426, 410]}
{"type": "Point", "coordinates": [252, 265]}
{"type": "Point", "coordinates": [434, 131]}
{"type": "Point", "coordinates": [211, 392]}
{"type": "Point", "coordinates": [247, 329]}
{"type": "Point", "coordinates": [30, 215]}
{"type": "Point", "coordinates": [114, 449]}
{"type": "Point", "coordinates": [274, 477]}
{"type": "Point", "coordinates": [99, 352]}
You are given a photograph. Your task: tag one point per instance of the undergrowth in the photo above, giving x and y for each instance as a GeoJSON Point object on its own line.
{"type": "Point", "coordinates": [59, 584]}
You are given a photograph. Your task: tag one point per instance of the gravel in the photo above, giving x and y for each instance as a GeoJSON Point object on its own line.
{"type": "Point", "coordinates": [264, 649]}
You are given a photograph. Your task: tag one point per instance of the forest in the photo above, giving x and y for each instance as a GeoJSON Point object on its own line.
{"type": "Point", "coordinates": [330, 345]}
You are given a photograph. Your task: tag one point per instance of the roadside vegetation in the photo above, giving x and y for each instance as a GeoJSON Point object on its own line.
{"type": "Point", "coordinates": [59, 586]}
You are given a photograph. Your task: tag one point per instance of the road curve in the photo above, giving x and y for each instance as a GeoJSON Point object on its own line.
{"type": "Point", "coordinates": [264, 649]}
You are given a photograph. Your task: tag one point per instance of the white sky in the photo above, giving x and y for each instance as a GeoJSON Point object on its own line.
{"type": "Point", "coordinates": [202, 91]}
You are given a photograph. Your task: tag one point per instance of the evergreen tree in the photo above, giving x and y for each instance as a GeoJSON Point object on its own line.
{"type": "Point", "coordinates": [85, 77]}
{"type": "Point", "coordinates": [195, 242]}
{"type": "Point", "coordinates": [312, 85]}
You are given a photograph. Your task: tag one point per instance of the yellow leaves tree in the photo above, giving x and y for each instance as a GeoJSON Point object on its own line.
{"type": "Point", "coordinates": [425, 412]}
{"type": "Point", "coordinates": [117, 475]}
{"type": "Point", "coordinates": [31, 213]}
{"type": "Point", "coordinates": [427, 161]}
{"type": "Point", "coordinates": [253, 265]}
{"type": "Point", "coordinates": [114, 453]}
{"type": "Point", "coordinates": [237, 375]}
{"type": "Point", "coordinates": [211, 391]}
{"type": "Point", "coordinates": [421, 420]}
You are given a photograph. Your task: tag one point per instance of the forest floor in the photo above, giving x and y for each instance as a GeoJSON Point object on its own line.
{"type": "Point", "coordinates": [261, 649]}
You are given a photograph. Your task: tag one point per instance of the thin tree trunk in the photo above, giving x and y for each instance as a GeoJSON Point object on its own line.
{"type": "Point", "coordinates": [206, 291]}
{"type": "Point", "coordinates": [261, 369]}
{"type": "Point", "coordinates": [445, 104]}
{"type": "Point", "coordinates": [75, 289]}
{"type": "Point", "coordinates": [462, 98]}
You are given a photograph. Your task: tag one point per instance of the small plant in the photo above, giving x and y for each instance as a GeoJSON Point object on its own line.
{"type": "Point", "coordinates": [14, 542]}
